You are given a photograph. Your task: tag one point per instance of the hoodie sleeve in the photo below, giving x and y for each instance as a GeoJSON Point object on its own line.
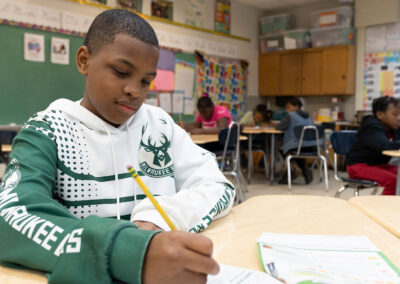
{"type": "Point", "coordinates": [39, 233]}
{"type": "Point", "coordinates": [203, 192]}
{"type": "Point", "coordinates": [375, 137]}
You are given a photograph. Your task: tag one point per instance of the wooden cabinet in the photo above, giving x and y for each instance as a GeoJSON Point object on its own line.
{"type": "Point", "coordinates": [311, 70]}
{"type": "Point", "coordinates": [306, 72]}
{"type": "Point", "coordinates": [338, 74]}
{"type": "Point", "coordinates": [290, 73]}
{"type": "Point", "coordinates": [268, 65]}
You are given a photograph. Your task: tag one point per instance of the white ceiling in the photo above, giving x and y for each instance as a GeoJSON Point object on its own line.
{"type": "Point", "coordinates": [279, 4]}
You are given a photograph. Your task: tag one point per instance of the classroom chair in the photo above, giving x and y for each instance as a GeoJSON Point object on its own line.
{"type": "Point", "coordinates": [308, 133]}
{"type": "Point", "coordinates": [230, 138]}
{"type": "Point", "coordinates": [341, 142]}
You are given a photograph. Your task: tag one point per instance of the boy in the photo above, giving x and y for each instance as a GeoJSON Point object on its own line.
{"type": "Point", "coordinates": [259, 116]}
{"type": "Point", "coordinates": [376, 134]}
{"type": "Point", "coordinates": [68, 171]}
{"type": "Point", "coordinates": [295, 117]}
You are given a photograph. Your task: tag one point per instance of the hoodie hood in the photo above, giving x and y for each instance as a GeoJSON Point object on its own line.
{"type": "Point", "coordinates": [87, 118]}
{"type": "Point", "coordinates": [303, 114]}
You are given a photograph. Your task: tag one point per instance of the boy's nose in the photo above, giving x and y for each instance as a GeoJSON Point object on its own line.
{"type": "Point", "coordinates": [132, 90]}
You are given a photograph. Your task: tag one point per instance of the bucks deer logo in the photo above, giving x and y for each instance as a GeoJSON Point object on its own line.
{"type": "Point", "coordinates": [155, 155]}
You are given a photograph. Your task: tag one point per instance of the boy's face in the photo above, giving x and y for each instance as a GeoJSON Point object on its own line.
{"type": "Point", "coordinates": [118, 77]}
{"type": "Point", "coordinates": [258, 117]}
{"type": "Point", "coordinates": [390, 117]}
{"type": "Point", "coordinates": [289, 107]}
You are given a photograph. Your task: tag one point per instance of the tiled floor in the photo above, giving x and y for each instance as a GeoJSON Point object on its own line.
{"type": "Point", "coordinates": [259, 185]}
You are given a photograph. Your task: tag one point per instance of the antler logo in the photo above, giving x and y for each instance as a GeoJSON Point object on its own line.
{"type": "Point", "coordinates": [155, 158]}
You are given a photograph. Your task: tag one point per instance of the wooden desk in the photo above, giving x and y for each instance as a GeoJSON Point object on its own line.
{"type": "Point", "coordinates": [204, 138]}
{"type": "Point", "coordinates": [235, 235]}
{"type": "Point", "coordinates": [16, 127]}
{"type": "Point", "coordinates": [394, 153]}
{"type": "Point", "coordinates": [11, 276]}
{"type": "Point", "coordinates": [261, 130]}
{"type": "Point", "coordinates": [383, 209]}
{"type": "Point", "coordinates": [6, 148]}
{"type": "Point", "coordinates": [208, 138]}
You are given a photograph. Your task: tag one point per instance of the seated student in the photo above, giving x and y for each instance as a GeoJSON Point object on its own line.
{"type": "Point", "coordinates": [376, 134]}
{"type": "Point", "coordinates": [66, 189]}
{"type": "Point", "coordinates": [295, 117]}
{"type": "Point", "coordinates": [210, 118]}
{"type": "Point", "coordinates": [259, 116]}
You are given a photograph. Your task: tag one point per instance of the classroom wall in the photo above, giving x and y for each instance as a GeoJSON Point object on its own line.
{"type": "Point", "coordinates": [244, 23]}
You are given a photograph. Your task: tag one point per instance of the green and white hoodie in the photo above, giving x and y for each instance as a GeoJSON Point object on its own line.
{"type": "Point", "coordinates": [68, 172]}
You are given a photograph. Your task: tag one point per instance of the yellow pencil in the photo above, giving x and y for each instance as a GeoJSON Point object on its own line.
{"type": "Point", "coordinates": [152, 199]}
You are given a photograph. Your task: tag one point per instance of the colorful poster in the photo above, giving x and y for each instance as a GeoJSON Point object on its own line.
{"type": "Point", "coordinates": [34, 47]}
{"type": "Point", "coordinates": [162, 9]}
{"type": "Point", "coordinates": [59, 50]}
{"type": "Point", "coordinates": [225, 81]}
{"type": "Point", "coordinates": [223, 16]}
{"type": "Point", "coordinates": [195, 13]}
{"type": "Point", "coordinates": [381, 76]}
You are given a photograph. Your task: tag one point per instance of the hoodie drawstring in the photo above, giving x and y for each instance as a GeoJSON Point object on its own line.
{"type": "Point", "coordinates": [115, 171]}
{"type": "Point", "coordinates": [131, 156]}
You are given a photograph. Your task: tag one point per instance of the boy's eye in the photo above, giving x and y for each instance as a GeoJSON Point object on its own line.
{"type": "Point", "coordinates": [146, 83]}
{"type": "Point", "coordinates": [120, 73]}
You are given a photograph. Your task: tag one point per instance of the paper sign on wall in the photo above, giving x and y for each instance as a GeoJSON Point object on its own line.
{"type": "Point", "coordinates": [33, 47]}
{"type": "Point", "coordinates": [164, 80]}
{"type": "Point", "coordinates": [165, 102]}
{"type": "Point", "coordinates": [177, 101]}
{"type": "Point", "coordinates": [59, 50]}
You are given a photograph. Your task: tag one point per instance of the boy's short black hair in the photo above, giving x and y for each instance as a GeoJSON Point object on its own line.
{"type": "Point", "coordinates": [116, 21]}
{"type": "Point", "coordinates": [260, 108]}
{"type": "Point", "coordinates": [295, 102]}
{"type": "Point", "coordinates": [204, 102]}
{"type": "Point", "coordinates": [382, 103]}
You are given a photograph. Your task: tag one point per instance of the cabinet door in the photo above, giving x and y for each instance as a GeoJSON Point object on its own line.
{"type": "Point", "coordinates": [311, 72]}
{"type": "Point", "coordinates": [268, 74]}
{"type": "Point", "coordinates": [290, 73]}
{"type": "Point", "coordinates": [338, 70]}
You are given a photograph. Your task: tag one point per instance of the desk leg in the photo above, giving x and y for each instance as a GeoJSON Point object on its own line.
{"type": "Point", "coordinates": [271, 178]}
{"type": "Point", "coordinates": [398, 181]}
{"type": "Point", "coordinates": [250, 159]}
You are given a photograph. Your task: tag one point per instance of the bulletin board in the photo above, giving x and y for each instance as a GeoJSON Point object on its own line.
{"type": "Point", "coordinates": [27, 87]}
{"type": "Point", "coordinates": [381, 63]}
{"type": "Point", "coordinates": [224, 80]}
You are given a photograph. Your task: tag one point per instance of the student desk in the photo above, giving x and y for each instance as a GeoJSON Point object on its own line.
{"type": "Point", "coordinates": [11, 127]}
{"type": "Point", "coordinates": [394, 153]}
{"type": "Point", "coordinates": [235, 235]}
{"type": "Point", "coordinates": [383, 209]}
{"type": "Point", "coordinates": [6, 148]}
{"type": "Point", "coordinates": [261, 130]}
{"type": "Point", "coordinates": [208, 138]}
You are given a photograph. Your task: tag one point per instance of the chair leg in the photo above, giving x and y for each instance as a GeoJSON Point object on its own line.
{"type": "Point", "coordinates": [375, 191]}
{"type": "Point", "coordinates": [241, 197]}
{"type": "Point", "coordinates": [243, 181]}
{"type": "Point", "coordinates": [356, 191]}
{"type": "Point", "coordinates": [266, 167]}
{"type": "Point", "coordinates": [340, 190]}
{"type": "Point", "coordinates": [326, 173]}
{"type": "Point", "coordinates": [289, 174]}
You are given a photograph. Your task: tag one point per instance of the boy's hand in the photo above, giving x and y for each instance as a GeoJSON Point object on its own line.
{"type": "Point", "coordinates": [179, 257]}
{"type": "Point", "coordinates": [144, 225]}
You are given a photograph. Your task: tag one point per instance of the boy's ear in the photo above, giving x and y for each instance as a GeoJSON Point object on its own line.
{"type": "Point", "coordinates": [379, 115]}
{"type": "Point", "coordinates": [82, 59]}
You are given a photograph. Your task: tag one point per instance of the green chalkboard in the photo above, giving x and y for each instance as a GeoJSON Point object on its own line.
{"type": "Point", "coordinates": [27, 87]}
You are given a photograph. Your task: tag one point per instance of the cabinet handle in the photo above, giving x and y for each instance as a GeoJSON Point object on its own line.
{"type": "Point", "coordinates": [344, 77]}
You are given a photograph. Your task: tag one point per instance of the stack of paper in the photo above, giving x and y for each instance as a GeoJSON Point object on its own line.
{"type": "Point", "coordinates": [325, 259]}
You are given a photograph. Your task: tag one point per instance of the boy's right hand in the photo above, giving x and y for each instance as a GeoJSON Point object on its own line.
{"type": "Point", "coordinates": [179, 257]}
